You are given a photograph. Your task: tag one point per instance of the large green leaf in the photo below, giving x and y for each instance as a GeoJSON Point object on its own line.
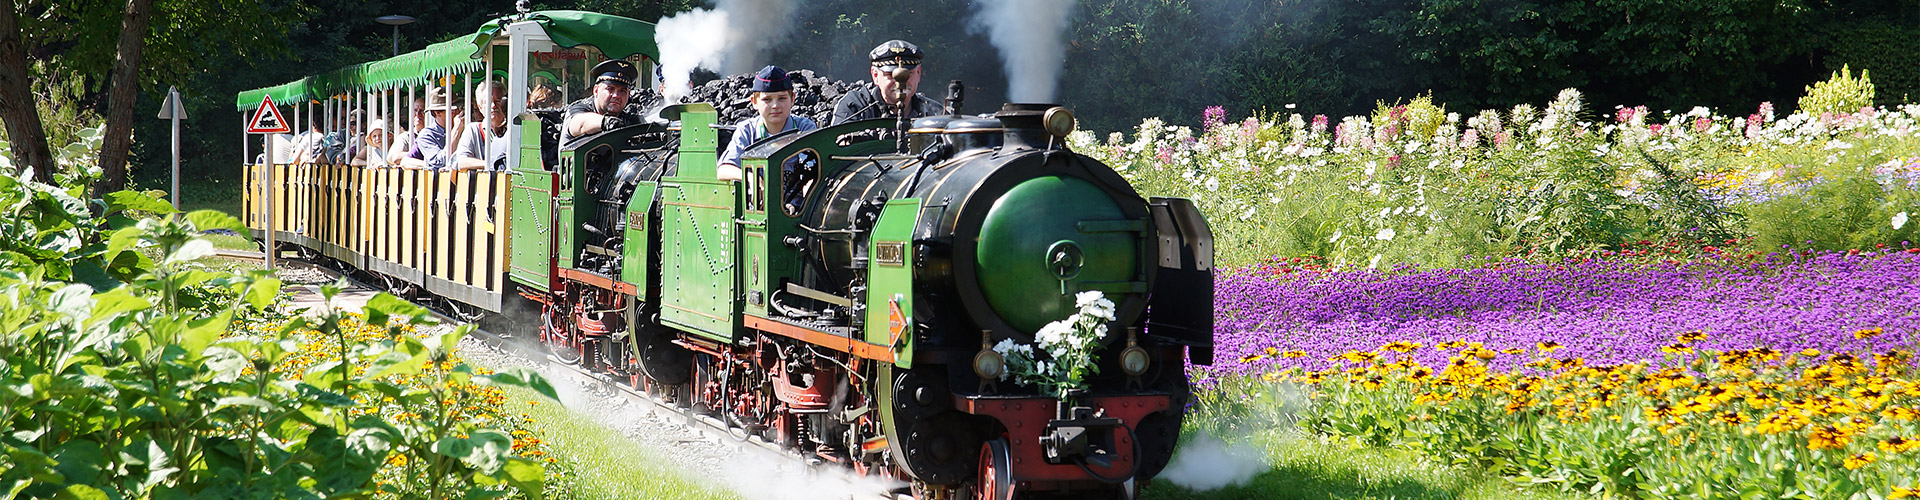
{"type": "Point", "coordinates": [137, 200]}
{"type": "Point", "coordinates": [527, 476]}
{"type": "Point", "coordinates": [519, 377]}
{"type": "Point", "coordinates": [208, 220]}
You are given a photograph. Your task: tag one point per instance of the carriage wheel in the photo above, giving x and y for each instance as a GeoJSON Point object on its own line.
{"type": "Point", "coordinates": [996, 478]}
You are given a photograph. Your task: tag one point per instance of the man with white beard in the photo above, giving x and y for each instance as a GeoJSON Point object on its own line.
{"type": "Point", "coordinates": [882, 100]}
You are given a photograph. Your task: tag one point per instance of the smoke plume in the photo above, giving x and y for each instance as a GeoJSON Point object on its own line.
{"type": "Point", "coordinates": [693, 39]}
{"type": "Point", "coordinates": [733, 38]}
{"type": "Point", "coordinates": [1031, 36]}
{"type": "Point", "coordinates": [753, 27]}
{"type": "Point", "coordinates": [1208, 463]}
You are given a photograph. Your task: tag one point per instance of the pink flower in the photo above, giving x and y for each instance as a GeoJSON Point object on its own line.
{"type": "Point", "coordinates": [1501, 139]}
{"type": "Point", "coordinates": [1213, 116]}
{"type": "Point", "coordinates": [1470, 139]}
{"type": "Point", "coordinates": [1700, 124]}
{"type": "Point", "coordinates": [1319, 124]}
{"type": "Point", "coordinates": [1655, 128]}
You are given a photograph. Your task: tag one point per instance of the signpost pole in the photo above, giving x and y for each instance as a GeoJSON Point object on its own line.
{"type": "Point", "coordinates": [260, 125]}
{"type": "Point", "coordinates": [266, 185]}
{"type": "Point", "coordinates": [176, 110]}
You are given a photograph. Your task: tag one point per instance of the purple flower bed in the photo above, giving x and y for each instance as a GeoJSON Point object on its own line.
{"type": "Point", "coordinates": [1607, 312]}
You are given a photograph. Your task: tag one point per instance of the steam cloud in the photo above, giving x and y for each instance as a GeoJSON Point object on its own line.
{"type": "Point", "coordinates": [733, 38]}
{"type": "Point", "coordinates": [1031, 36]}
{"type": "Point", "coordinates": [1208, 463]}
{"type": "Point", "coordinates": [753, 27]}
{"type": "Point", "coordinates": [694, 39]}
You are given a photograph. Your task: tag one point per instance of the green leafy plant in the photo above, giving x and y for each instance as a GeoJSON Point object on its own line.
{"type": "Point", "coordinates": [1840, 94]}
{"type": "Point", "coordinates": [131, 369]}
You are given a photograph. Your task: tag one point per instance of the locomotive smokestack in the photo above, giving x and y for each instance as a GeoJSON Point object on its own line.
{"type": "Point", "coordinates": [1031, 36]}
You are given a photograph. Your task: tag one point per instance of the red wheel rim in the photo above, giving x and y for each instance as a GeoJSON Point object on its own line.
{"type": "Point", "coordinates": [995, 481]}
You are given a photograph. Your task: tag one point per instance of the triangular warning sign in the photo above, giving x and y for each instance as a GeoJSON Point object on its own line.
{"type": "Point", "coordinates": [896, 322]}
{"type": "Point", "coordinates": [267, 119]}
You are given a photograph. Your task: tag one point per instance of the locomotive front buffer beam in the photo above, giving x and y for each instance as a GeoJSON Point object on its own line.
{"type": "Point", "coordinates": [1052, 446]}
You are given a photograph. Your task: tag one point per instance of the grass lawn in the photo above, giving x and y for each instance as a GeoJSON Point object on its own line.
{"type": "Point", "coordinates": [1308, 467]}
{"type": "Point", "coordinates": [605, 466]}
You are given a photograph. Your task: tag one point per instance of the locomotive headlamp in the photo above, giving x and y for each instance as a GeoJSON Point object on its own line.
{"type": "Point", "coordinates": [1134, 360]}
{"type": "Point", "coordinates": [988, 364]}
{"type": "Point", "coordinates": [1058, 121]}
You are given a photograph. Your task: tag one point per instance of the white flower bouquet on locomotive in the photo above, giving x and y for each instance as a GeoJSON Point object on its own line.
{"type": "Point", "coordinates": [1069, 345]}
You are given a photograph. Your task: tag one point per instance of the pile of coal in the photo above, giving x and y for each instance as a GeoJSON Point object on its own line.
{"type": "Point", "coordinates": [814, 96]}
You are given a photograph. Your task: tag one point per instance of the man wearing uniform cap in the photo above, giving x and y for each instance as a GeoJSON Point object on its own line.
{"type": "Point", "coordinates": [879, 100]}
{"type": "Point", "coordinates": [609, 107]}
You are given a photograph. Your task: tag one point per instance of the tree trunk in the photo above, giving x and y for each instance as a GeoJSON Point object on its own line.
{"type": "Point", "coordinates": [120, 100]}
{"type": "Point", "coordinates": [17, 107]}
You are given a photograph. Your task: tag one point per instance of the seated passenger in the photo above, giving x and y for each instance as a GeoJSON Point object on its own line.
{"type": "Point", "coordinates": [773, 99]}
{"type": "Point", "coordinates": [372, 150]}
{"type": "Point", "coordinates": [402, 146]}
{"type": "Point", "coordinates": [609, 107]}
{"type": "Point", "coordinates": [430, 146]}
{"type": "Point", "coordinates": [308, 146]}
{"type": "Point", "coordinates": [483, 145]}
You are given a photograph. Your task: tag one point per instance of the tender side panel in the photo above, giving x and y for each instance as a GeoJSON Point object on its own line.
{"type": "Point", "coordinates": [699, 275]}
{"type": "Point", "coordinates": [531, 205]}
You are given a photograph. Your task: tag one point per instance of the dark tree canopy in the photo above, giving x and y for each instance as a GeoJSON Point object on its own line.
{"type": "Point", "coordinates": [1126, 59]}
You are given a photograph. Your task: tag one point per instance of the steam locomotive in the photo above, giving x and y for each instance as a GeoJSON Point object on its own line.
{"type": "Point", "coordinates": [841, 301]}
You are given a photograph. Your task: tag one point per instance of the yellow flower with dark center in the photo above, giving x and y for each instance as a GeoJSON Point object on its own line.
{"type": "Point", "coordinates": [1549, 346]}
{"type": "Point", "coordinates": [1858, 460]}
{"type": "Point", "coordinates": [1829, 437]}
{"type": "Point", "coordinates": [1898, 444]}
{"type": "Point", "coordinates": [1250, 358]}
{"type": "Point", "coordinates": [1891, 361]}
{"type": "Point", "coordinates": [1766, 354]}
{"type": "Point", "coordinates": [1400, 346]}
{"type": "Point", "coordinates": [1782, 420]}
{"type": "Point", "coordinates": [1419, 373]}
{"type": "Point", "coordinates": [1273, 351]}
{"type": "Point", "coordinates": [1693, 336]}
{"type": "Point", "coordinates": [1449, 345]}
{"type": "Point", "coordinates": [1867, 333]}
{"type": "Point", "coordinates": [1296, 353]}
{"type": "Point", "coordinates": [1901, 413]}
{"type": "Point", "coordinates": [1483, 353]}
{"type": "Point", "coordinates": [1731, 417]}
{"type": "Point", "coordinates": [1676, 349]}
{"type": "Point", "coordinates": [1867, 398]}
{"type": "Point", "coordinates": [1899, 492]}
{"type": "Point", "coordinates": [1270, 377]}
{"type": "Point", "coordinates": [1809, 352]}
{"type": "Point", "coordinates": [1661, 411]}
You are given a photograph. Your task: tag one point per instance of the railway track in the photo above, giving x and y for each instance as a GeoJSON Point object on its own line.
{"type": "Point", "coordinates": [818, 477]}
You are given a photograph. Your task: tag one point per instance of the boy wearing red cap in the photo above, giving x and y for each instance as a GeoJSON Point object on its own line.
{"type": "Point", "coordinates": [773, 99]}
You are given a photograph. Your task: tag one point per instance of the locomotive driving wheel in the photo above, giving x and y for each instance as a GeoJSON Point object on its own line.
{"type": "Point", "coordinates": [995, 480]}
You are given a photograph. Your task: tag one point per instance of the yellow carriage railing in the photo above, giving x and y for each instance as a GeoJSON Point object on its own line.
{"type": "Point", "coordinates": [444, 231]}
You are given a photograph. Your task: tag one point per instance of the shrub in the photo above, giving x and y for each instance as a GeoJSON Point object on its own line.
{"type": "Point", "coordinates": [127, 377]}
{"type": "Point", "coordinates": [1841, 94]}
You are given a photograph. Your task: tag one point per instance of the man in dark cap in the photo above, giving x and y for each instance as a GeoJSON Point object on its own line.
{"type": "Point", "coordinates": [609, 107]}
{"type": "Point", "coordinates": [882, 100]}
{"type": "Point", "coordinates": [773, 99]}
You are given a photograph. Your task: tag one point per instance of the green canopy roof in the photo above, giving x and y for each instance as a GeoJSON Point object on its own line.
{"type": "Point", "coordinates": [615, 36]}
